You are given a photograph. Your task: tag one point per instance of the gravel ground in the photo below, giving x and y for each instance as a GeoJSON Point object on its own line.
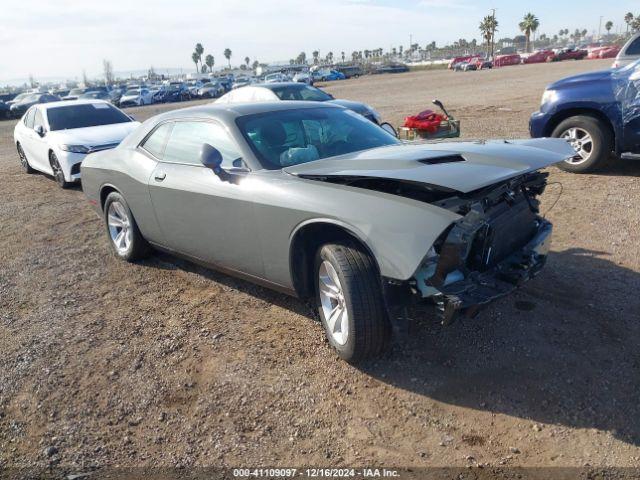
{"type": "Point", "coordinates": [166, 364]}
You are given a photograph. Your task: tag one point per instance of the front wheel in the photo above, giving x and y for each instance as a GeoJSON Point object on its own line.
{"type": "Point", "coordinates": [124, 235]}
{"type": "Point", "coordinates": [58, 173]}
{"type": "Point", "coordinates": [591, 140]}
{"type": "Point", "coordinates": [23, 160]}
{"type": "Point", "coordinates": [350, 303]}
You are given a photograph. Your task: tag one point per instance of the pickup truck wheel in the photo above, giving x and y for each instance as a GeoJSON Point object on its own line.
{"type": "Point", "coordinates": [350, 301]}
{"type": "Point", "coordinates": [591, 140]}
{"type": "Point", "coordinates": [124, 235]}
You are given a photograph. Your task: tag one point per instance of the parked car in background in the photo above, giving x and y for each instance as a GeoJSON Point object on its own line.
{"type": "Point", "coordinates": [484, 63]}
{"type": "Point", "coordinates": [96, 95]}
{"type": "Point", "coordinates": [334, 210]}
{"type": "Point", "coordinates": [194, 86]}
{"type": "Point", "coordinates": [463, 59]}
{"type": "Point", "coordinates": [289, 91]}
{"type": "Point", "coordinates": [303, 77]}
{"type": "Point", "coordinates": [610, 52]}
{"type": "Point", "coordinates": [350, 71]}
{"type": "Point", "coordinates": [570, 53]}
{"type": "Point", "coordinates": [326, 75]}
{"type": "Point", "coordinates": [55, 138]}
{"type": "Point", "coordinates": [539, 56]}
{"type": "Point", "coordinates": [18, 98]}
{"type": "Point", "coordinates": [598, 113]}
{"type": "Point", "coordinates": [630, 52]}
{"type": "Point", "coordinates": [74, 94]}
{"type": "Point", "coordinates": [19, 108]}
{"type": "Point", "coordinates": [5, 110]}
{"type": "Point", "coordinates": [507, 60]}
{"type": "Point", "coordinates": [212, 89]}
{"type": "Point", "coordinates": [136, 97]}
{"type": "Point", "coordinates": [242, 81]}
{"type": "Point", "coordinates": [277, 77]}
{"type": "Point", "coordinates": [391, 68]}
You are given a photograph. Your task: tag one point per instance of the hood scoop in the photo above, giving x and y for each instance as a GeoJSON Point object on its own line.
{"type": "Point", "coordinates": [442, 159]}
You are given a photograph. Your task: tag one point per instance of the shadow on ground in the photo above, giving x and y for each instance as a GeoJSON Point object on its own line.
{"type": "Point", "coordinates": [562, 350]}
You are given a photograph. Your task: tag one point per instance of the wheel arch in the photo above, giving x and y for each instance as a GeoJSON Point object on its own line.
{"type": "Point", "coordinates": [105, 190]}
{"type": "Point", "coordinates": [305, 241]}
{"type": "Point", "coordinates": [585, 112]}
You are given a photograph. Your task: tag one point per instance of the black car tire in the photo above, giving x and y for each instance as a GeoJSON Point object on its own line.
{"type": "Point", "coordinates": [23, 160]}
{"type": "Point", "coordinates": [601, 143]}
{"type": "Point", "coordinates": [58, 174]}
{"type": "Point", "coordinates": [369, 330]}
{"type": "Point", "coordinates": [139, 248]}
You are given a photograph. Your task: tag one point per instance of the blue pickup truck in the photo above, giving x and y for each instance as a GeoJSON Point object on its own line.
{"type": "Point", "coordinates": [597, 112]}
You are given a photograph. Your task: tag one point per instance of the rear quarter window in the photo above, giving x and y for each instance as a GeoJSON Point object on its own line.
{"type": "Point", "coordinates": [155, 143]}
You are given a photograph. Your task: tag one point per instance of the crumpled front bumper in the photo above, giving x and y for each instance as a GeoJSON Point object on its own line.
{"type": "Point", "coordinates": [480, 288]}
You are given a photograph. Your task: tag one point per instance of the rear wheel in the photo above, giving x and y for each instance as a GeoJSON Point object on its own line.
{"type": "Point", "coordinates": [58, 174]}
{"type": "Point", "coordinates": [23, 160]}
{"type": "Point", "coordinates": [124, 235]}
{"type": "Point", "coordinates": [591, 140]}
{"type": "Point", "coordinates": [350, 302]}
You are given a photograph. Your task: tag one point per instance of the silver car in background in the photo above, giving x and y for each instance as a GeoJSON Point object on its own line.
{"type": "Point", "coordinates": [316, 201]}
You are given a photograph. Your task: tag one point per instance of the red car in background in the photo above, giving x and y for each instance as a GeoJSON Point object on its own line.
{"type": "Point", "coordinates": [506, 60]}
{"type": "Point", "coordinates": [607, 51]}
{"type": "Point", "coordinates": [465, 59]}
{"type": "Point", "coordinates": [568, 54]}
{"type": "Point", "coordinates": [538, 57]}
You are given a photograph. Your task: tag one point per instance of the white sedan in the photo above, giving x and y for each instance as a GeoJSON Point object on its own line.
{"type": "Point", "coordinates": [136, 97]}
{"type": "Point", "coordinates": [54, 138]}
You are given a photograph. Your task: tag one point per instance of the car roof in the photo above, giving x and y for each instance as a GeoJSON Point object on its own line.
{"type": "Point", "coordinates": [272, 85]}
{"type": "Point", "coordinates": [66, 103]}
{"type": "Point", "coordinates": [234, 110]}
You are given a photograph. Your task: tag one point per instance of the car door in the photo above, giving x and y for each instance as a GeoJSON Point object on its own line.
{"type": "Point", "coordinates": [32, 143]}
{"type": "Point", "coordinates": [199, 214]}
{"type": "Point", "coordinates": [630, 110]}
{"type": "Point", "coordinates": [40, 144]}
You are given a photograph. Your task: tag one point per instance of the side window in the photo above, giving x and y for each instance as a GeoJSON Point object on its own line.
{"type": "Point", "coordinates": [186, 141]}
{"type": "Point", "coordinates": [38, 119]}
{"type": "Point", "coordinates": [29, 117]}
{"type": "Point", "coordinates": [634, 48]}
{"type": "Point", "coordinates": [155, 143]}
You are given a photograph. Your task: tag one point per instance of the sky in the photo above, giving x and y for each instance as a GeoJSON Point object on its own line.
{"type": "Point", "coordinates": [63, 38]}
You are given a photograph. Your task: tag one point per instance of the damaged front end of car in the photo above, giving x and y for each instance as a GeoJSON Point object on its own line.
{"type": "Point", "coordinates": [500, 242]}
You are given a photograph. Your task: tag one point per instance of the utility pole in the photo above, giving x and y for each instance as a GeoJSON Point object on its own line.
{"type": "Point", "coordinates": [600, 28]}
{"type": "Point", "coordinates": [493, 30]}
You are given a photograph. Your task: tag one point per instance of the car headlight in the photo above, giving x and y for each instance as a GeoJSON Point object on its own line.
{"type": "Point", "coordinates": [548, 96]}
{"type": "Point", "coordinates": [75, 148]}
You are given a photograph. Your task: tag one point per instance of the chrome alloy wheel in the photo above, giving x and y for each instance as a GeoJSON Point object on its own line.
{"type": "Point", "coordinates": [23, 158]}
{"type": "Point", "coordinates": [582, 143]}
{"type": "Point", "coordinates": [334, 307]}
{"type": "Point", "coordinates": [119, 227]}
{"type": "Point", "coordinates": [58, 174]}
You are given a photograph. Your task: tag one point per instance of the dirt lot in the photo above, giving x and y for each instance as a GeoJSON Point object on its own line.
{"type": "Point", "coordinates": [166, 364]}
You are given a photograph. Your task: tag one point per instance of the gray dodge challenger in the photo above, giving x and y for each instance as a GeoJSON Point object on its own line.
{"type": "Point", "coordinates": [316, 201]}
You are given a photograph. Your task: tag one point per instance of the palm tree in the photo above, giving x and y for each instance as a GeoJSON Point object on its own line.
{"type": "Point", "coordinates": [227, 55]}
{"type": "Point", "coordinates": [528, 25]}
{"type": "Point", "coordinates": [583, 33]}
{"type": "Point", "coordinates": [247, 60]}
{"type": "Point", "coordinates": [210, 61]}
{"type": "Point", "coordinates": [488, 27]}
{"type": "Point", "coordinates": [199, 51]}
{"type": "Point", "coordinates": [342, 55]}
{"type": "Point", "coordinates": [315, 54]}
{"type": "Point", "coordinates": [255, 64]}
{"type": "Point", "coordinates": [195, 59]}
{"type": "Point", "coordinates": [635, 25]}
{"type": "Point", "coordinates": [608, 26]}
{"type": "Point", "coordinates": [628, 19]}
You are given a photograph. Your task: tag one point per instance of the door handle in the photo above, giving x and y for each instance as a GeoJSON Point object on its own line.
{"type": "Point", "coordinates": [160, 176]}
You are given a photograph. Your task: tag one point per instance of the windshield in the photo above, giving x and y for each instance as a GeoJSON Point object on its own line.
{"type": "Point", "coordinates": [86, 115]}
{"type": "Point", "coordinates": [132, 92]}
{"type": "Point", "coordinates": [300, 92]}
{"type": "Point", "coordinates": [290, 137]}
{"type": "Point", "coordinates": [34, 97]}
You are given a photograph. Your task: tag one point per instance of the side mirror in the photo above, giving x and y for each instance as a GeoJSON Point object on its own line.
{"type": "Point", "coordinates": [211, 158]}
{"type": "Point", "coordinates": [39, 129]}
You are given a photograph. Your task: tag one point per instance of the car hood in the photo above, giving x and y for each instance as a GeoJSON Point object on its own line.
{"type": "Point", "coordinates": [129, 97]}
{"type": "Point", "coordinates": [94, 136]}
{"type": "Point", "coordinates": [601, 75]}
{"type": "Point", "coordinates": [455, 166]}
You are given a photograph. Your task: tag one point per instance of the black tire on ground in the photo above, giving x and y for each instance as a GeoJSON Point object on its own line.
{"type": "Point", "coordinates": [369, 330]}
{"type": "Point", "coordinates": [58, 174]}
{"type": "Point", "coordinates": [23, 160]}
{"type": "Point", "coordinates": [138, 248]}
{"type": "Point", "coordinates": [601, 146]}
